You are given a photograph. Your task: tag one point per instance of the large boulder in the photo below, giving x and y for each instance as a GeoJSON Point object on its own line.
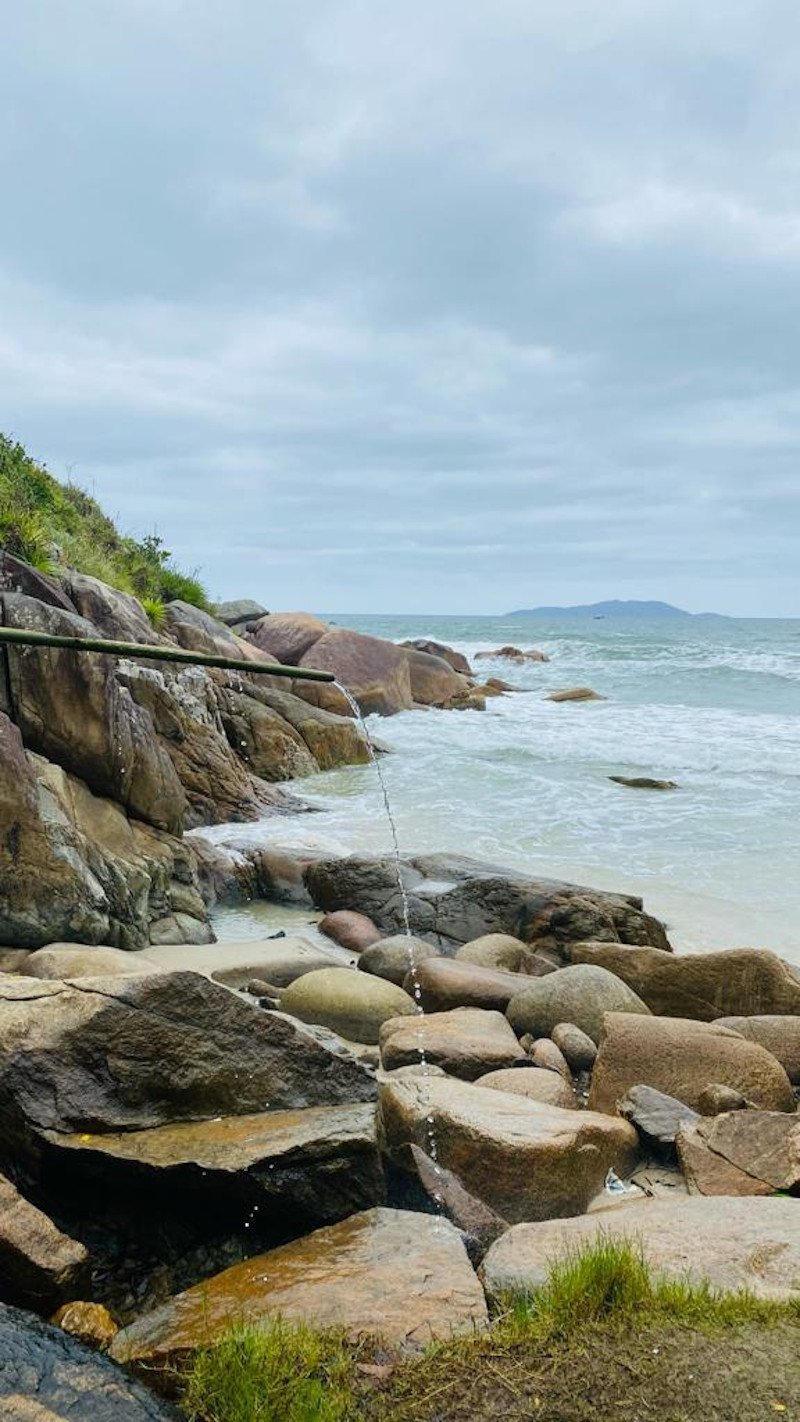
{"type": "Point", "coordinates": [40, 1266]}
{"type": "Point", "coordinates": [287, 635]}
{"type": "Point", "coordinates": [735, 982]}
{"type": "Point", "coordinates": [331, 739]}
{"type": "Point", "coordinates": [453, 900]}
{"type": "Point", "coordinates": [581, 995]}
{"type": "Point", "coordinates": [433, 680]}
{"type": "Point", "coordinates": [114, 613]}
{"type": "Point", "coordinates": [240, 612]}
{"type": "Point", "coordinates": [681, 1058]}
{"type": "Point", "coordinates": [454, 659]}
{"type": "Point", "coordinates": [284, 1171]}
{"type": "Point", "coordinates": [779, 1034]}
{"type": "Point", "coordinates": [125, 1053]}
{"type": "Point", "coordinates": [72, 708]}
{"type": "Point", "coordinates": [526, 1160]}
{"type": "Point", "coordinates": [352, 931]}
{"type": "Point", "coordinates": [449, 982]}
{"type": "Point", "coordinates": [403, 1276]}
{"type": "Point", "coordinates": [466, 1042]}
{"type": "Point", "coordinates": [78, 869]}
{"type": "Point", "coordinates": [47, 1376]}
{"type": "Point", "coordinates": [375, 672]}
{"type": "Point", "coordinates": [656, 1116]}
{"type": "Point", "coordinates": [353, 1004]}
{"type": "Point", "coordinates": [259, 736]}
{"type": "Point", "coordinates": [747, 1244]}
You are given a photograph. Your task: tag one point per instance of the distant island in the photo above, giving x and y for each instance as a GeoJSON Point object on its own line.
{"type": "Point", "coordinates": [614, 608]}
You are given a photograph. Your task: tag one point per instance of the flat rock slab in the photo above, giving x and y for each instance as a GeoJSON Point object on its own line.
{"type": "Point", "coordinates": [741, 1244]}
{"type": "Point", "coordinates": [402, 1276]}
{"type": "Point", "coordinates": [40, 1266]}
{"type": "Point", "coordinates": [309, 1167]}
{"type": "Point", "coordinates": [467, 1042]}
{"type": "Point", "coordinates": [703, 986]}
{"type": "Point", "coordinates": [526, 1160]}
{"type": "Point", "coordinates": [79, 960]}
{"type": "Point", "coordinates": [47, 1376]}
{"type": "Point", "coordinates": [128, 1053]}
{"type": "Point", "coordinates": [681, 1058]}
{"type": "Point", "coordinates": [535, 1083]}
{"type": "Point", "coordinates": [275, 960]}
{"type": "Point", "coordinates": [760, 1147]}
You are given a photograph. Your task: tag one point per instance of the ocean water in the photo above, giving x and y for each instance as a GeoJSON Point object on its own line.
{"type": "Point", "coordinates": [711, 704]}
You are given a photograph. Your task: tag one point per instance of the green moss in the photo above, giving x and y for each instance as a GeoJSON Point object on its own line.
{"type": "Point", "coordinates": [52, 525]}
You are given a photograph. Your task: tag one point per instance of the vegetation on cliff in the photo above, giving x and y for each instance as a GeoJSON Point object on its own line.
{"type": "Point", "coordinates": [50, 524]}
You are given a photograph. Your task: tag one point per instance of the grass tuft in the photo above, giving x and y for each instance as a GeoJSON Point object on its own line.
{"type": "Point", "coordinates": [276, 1372]}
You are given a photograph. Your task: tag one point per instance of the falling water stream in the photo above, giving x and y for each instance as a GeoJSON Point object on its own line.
{"type": "Point", "coordinates": [405, 910]}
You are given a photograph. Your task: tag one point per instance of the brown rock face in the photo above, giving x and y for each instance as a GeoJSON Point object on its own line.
{"type": "Point", "coordinates": [779, 1034]}
{"type": "Point", "coordinates": [747, 1244]}
{"type": "Point", "coordinates": [703, 986]}
{"type": "Point", "coordinates": [397, 959]}
{"type": "Point", "coordinates": [39, 1266]}
{"type": "Point", "coordinates": [707, 1173]}
{"type": "Point", "coordinates": [299, 1169]}
{"type": "Point", "coordinates": [377, 673]}
{"type": "Point", "coordinates": [447, 982]}
{"type": "Point", "coordinates": [681, 1058]}
{"type": "Point", "coordinates": [115, 614]}
{"type": "Point", "coordinates": [576, 693]}
{"type": "Point", "coordinates": [75, 868]}
{"type": "Point", "coordinates": [90, 1323]}
{"type": "Point", "coordinates": [534, 1083]}
{"type": "Point", "coordinates": [353, 931]}
{"type": "Point", "coordinates": [764, 1145]}
{"type": "Point", "coordinates": [351, 1003]}
{"type": "Point", "coordinates": [581, 994]}
{"type": "Point", "coordinates": [332, 740]}
{"type": "Point", "coordinates": [433, 680]}
{"type": "Point", "coordinates": [454, 659]}
{"type": "Point", "coordinates": [500, 950]}
{"type": "Point", "coordinates": [71, 708]}
{"type": "Point", "coordinates": [525, 1160]}
{"type": "Point", "coordinates": [466, 1042]}
{"type": "Point", "coordinates": [127, 1053]}
{"type": "Point", "coordinates": [288, 635]}
{"type": "Point", "coordinates": [404, 1276]}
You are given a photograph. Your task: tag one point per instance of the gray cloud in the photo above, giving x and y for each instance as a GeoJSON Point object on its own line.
{"type": "Point", "coordinates": [432, 307]}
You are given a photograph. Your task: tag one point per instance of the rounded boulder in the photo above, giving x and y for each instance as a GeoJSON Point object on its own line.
{"type": "Point", "coordinates": [353, 1004]}
{"type": "Point", "coordinates": [395, 958]}
{"type": "Point", "coordinates": [581, 994]}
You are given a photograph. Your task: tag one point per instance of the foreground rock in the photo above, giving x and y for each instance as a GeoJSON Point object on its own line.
{"type": "Point", "coordinates": [467, 1042]}
{"type": "Point", "coordinates": [278, 961]}
{"type": "Point", "coordinates": [454, 900]}
{"type": "Point", "coordinates": [395, 958]}
{"type": "Point", "coordinates": [351, 1003]}
{"type": "Point", "coordinates": [59, 961]}
{"type": "Point", "coordinates": [288, 1171]}
{"type": "Point", "coordinates": [125, 1053]}
{"type": "Point", "coordinates": [401, 1276]}
{"type": "Point", "coordinates": [39, 1265]}
{"type": "Point", "coordinates": [657, 1117]}
{"type": "Point", "coordinates": [748, 1244]}
{"type": "Point", "coordinates": [737, 982]}
{"type": "Point", "coordinates": [581, 995]}
{"type": "Point", "coordinates": [47, 1376]}
{"type": "Point", "coordinates": [353, 931]}
{"type": "Point", "coordinates": [500, 950]}
{"type": "Point", "coordinates": [523, 1159]}
{"type": "Point", "coordinates": [761, 1147]}
{"type": "Point", "coordinates": [534, 1083]}
{"type": "Point", "coordinates": [682, 1058]}
{"type": "Point", "coordinates": [377, 673]}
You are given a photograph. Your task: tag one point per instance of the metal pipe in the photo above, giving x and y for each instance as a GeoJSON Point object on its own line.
{"type": "Point", "coordinates": [22, 637]}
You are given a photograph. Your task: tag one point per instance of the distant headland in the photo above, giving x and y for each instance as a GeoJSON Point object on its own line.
{"type": "Point", "coordinates": [614, 608]}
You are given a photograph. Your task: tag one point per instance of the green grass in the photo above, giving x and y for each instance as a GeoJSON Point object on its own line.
{"type": "Point", "coordinates": [56, 526]}
{"type": "Point", "coordinates": [601, 1322]}
{"type": "Point", "coordinates": [279, 1372]}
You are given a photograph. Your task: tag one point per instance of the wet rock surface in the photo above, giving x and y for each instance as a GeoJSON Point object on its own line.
{"type": "Point", "coordinates": [403, 1276]}
{"type": "Point", "coordinates": [582, 994]}
{"type": "Point", "coordinates": [703, 986]}
{"type": "Point", "coordinates": [48, 1376]}
{"type": "Point", "coordinates": [40, 1266]}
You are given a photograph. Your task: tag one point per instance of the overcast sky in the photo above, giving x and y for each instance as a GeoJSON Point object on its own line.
{"type": "Point", "coordinates": [415, 305]}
